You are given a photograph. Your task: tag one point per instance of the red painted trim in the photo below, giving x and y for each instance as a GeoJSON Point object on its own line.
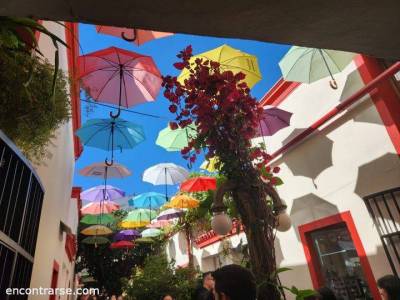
{"type": "Point", "coordinates": [385, 99]}
{"type": "Point", "coordinates": [54, 278]}
{"type": "Point", "coordinates": [72, 40]}
{"type": "Point", "coordinates": [37, 32]}
{"type": "Point", "coordinates": [312, 261]}
{"type": "Point", "coordinates": [212, 237]}
{"type": "Point", "coordinates": [70, 246]}
{"type": "Point", "coordinates": [372, 85]}
{"type": "Point", "coordinates": [76, 194]}
{"type": "Point", "coordinates": [279, 92]}
{"type": "Point", "coordinates": [56, 266]}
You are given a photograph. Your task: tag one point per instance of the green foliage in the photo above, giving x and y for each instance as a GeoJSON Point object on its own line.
{"type": "Point", "coordinates": [29, 113]}
{"type": "Point", "coordinates": [158, 277]}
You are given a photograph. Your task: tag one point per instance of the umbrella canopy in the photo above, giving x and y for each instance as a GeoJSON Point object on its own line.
{"type": "Point", "coordinates": [159, 224]}
{"type": "Point", "coordinates": [127, 235]}
{"type": "Point", "coordinates": [273, 120]}
{"type": "Point", "coordinates": [230, 59]}
{"type": "Point", "coordinates": [96, 240]}
{"type": "Point", "coordinates": [96, 208]}
{"type": "Point", "coordinates": [149, 200]}
{"type": "Point", "coordinates": [122, 245]}
{"type": "Point", "coordinates": [183, 201]}
{"type": "Point", "coordinates": [102, 169]}
{"type": "Point", "coordinates": [101, 219]}
{"type": "Point", "coordinates": [102, 192]}
{"type": "Point", "coordinates": [175, 140]}
{"type": "Point", "coordinates": [165, 173]}
{"type": "Point", "coordinates": [170, 214]}
{"type": "Point", "coordinates": [138, 218]}
{"type": "Point", "coordinates": [307, 65]}
{"type": "Point", "coordinates": [119, 77]}
{"type": "Point", "coordinates": [199, 184]}
{"type": "Point", "coordinates": [151, 232]}
{"type": "Point", "coordinates": [137, 36]}
{"type": "Point", "coordinates": [96, 230]}
{"type": "Point", "coordinates": [210, 165]}
{"type": "Point", "coordinates": [143, 240]}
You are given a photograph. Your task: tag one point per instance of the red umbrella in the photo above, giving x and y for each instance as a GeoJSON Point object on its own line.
{"type": "Point", "coordinates": [138, 36]}
{"type": "Point", "coordinates": [122, 244]}
{"type": "Point", "coordinates": [119, 77]}
{"type": "Point", "coordinates": [199, 184]}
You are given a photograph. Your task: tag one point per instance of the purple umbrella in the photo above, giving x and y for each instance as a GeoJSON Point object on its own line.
{"type": "Point", "coordinates": [170, 214]}
{"type": "Point", "coordinates": [127, 235]}
{"type": "Point", "coordinates": [102, 192]}
{"type": "Point", "coordinates": [273, 120]}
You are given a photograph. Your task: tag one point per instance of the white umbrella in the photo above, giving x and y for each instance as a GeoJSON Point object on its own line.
{"type": "Point", "coordinates": [165, 173]}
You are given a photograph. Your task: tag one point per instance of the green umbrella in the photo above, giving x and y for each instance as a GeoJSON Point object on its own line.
{"type": "Point", "coordinates": [175, 140]}
{"type": "Point", "coordinates": [96, 240]}
{"type": "Point", "coordinates": [104, 219]}
{"type": "Point", "coordinates": [144, 240]}
{"type": "Point", "coordinates": [307, 65]}
{"type": "Point", "coordinates": [138, 218]}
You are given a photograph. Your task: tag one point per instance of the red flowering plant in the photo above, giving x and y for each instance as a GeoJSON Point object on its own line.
{"type": "Point", "coordinates": [226, 116]}
{"type": "Point", "coordinates": [219, 105]}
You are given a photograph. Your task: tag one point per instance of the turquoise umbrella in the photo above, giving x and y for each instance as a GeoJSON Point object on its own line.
{"type": "Point", "coordinates": [307, 65]}
{"type": "Point", "coordinates": [149, 200]}
{"type": "Point", "coordinates": [111, 134]}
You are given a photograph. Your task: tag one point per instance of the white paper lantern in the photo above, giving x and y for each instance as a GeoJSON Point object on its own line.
{"type": "Point", "coordinates": [283, 221]}
{"type": "Point", "coordinates": [221, 223]}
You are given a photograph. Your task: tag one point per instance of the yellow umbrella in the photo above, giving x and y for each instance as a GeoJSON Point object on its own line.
{"type": "Point", "coordinates": [183, 201]}
{"type": "Point", "coordinates": [96, 230]}
{"type": "Point", "coordinates": [210, 165]}
{"type": "Point", "coordinates": [230, 59]}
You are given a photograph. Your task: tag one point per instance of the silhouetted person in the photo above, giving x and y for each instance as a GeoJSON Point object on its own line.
{"type": "Point", "coordinates": [206, 290]}
{"type": "Point", "coordinates": [233, 282]}
{"type": "Point", "coordinates": [389, 287]}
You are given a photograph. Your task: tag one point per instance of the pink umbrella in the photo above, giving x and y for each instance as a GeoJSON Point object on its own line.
{"type": "Point", "coordinates": [273, 120]}
{"type": "Point", "coordinates": [137, 36]}
{"type": "Point", "coordinates": [97, 208]}
{"type": "Point", "coordinates": [119, 77]}
{"type": "Point", "coordinates": [159, 224]}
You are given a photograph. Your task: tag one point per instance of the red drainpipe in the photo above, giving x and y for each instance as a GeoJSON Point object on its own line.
{"type": "Point", "coordinates": [340, 107]}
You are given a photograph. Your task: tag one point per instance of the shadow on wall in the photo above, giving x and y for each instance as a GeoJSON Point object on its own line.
{"type": "Point", "coordinates": [182, 243]}
{"type": "Point", "coordinates": [309, 208]}
{"type": "Point", "coordinates": [171, 249]}
{"type": "Point", "coordinates": [314, 159]}
{"type": "Point", "coordinates": [375, 175]}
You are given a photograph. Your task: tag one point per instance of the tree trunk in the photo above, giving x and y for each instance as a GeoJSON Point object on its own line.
{"type": "Point", "coordinates": [189, 245]}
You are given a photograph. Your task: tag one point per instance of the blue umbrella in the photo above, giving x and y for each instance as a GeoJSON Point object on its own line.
{"type": "Point", "coordinates": [110, 134]}
{"type": "Point", "coordinates": [149, 200]}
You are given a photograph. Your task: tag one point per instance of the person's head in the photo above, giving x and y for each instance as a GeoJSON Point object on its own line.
{"type": "Point", "coordinates": [389, 287]}
{"type": "Point", "coordinates": [120, 297]}
{"type": "Point", "coordinates": [233, 282]}
{"type": "Point", "coordinates": [113, 297]}
{"type": "Point", "coordinates": [166, 297]}
{"type": "Point", "coordinates": [208, 280]}
{"type": "Point", "coordinates": [326, 293]}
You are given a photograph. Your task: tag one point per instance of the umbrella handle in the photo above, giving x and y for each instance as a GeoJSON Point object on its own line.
{"type": "Point", "coordinates": [116, 115]}
{"type": "Point", "coordinates": [333, 84]}
{"type": "Point", "coordinates": [189, 165]}
{"type": "Point", "coordinates": [109, 163]}
{"type": "Point", "coordinates": [123, 36]}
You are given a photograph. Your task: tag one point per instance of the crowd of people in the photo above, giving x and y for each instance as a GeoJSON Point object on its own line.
{"type": "Point", "coordinates": [233, 282]}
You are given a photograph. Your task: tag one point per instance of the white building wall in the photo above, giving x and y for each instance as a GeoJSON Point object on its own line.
{"type": "Point", "coordinates": [56, 174]}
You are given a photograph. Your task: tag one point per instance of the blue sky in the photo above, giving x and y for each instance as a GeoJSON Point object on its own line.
{"type": "Point", "coordinates": [164, 53]}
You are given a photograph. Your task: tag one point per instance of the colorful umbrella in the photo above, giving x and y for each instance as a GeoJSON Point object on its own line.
{"type": "Point", "coordinates": [96, 208]}
{"type": "Point", "coordinates": [307, 65]}
{"type": "Point", "coordinates": [96, 230]}
{"type": "Point", "coordinates": [127, 235]}
{"type": "Point", "coordinates": [151, 232]}
{"type": "Point", "coordinates": [96, 240]}
{"type": "Point", "coordinates": [122, 245]}
{"type": "Point", "coordinates": [149, 200]}
{"type": "Point", "coordinates": [165, 173]}
{"type": "Point", "coordinates": [102, 192]}
{"type": "Point", "coordinates": [199, 184]}
{"type": "Point", "coordinates": [175, 140]}
{"type": "Point", "coordinates": [119, 77]}
{"type": "Point", "coordinates": [170, 214]}
{"type": "Point", "coordinates": [138, 218]}
{"type": "Point", "coordinates": [273, 120]}
{"type": "Point", "coordinates": [102, 170]}
{"type": "Point", "coordinates": [137, 36]}
{"type": "Point", "coordinates": [144, 240]}
{"type": "Point", "coordinates": [230, 59]}
{"type": "Point", "coordinates": [183, 201]}
{"type": "Point", "coordinates": [159, 224]}
{"type": "Point", "coordinates": [210, 165]}
{"type": "Point", "coordinates": [110, 134]}
{"type": "Point", "coordinates": [101, 219]}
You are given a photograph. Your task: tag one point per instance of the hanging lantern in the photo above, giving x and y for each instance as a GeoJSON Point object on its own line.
{"type": "Point", "coordinates": [221, 223]}
{"type": "Point", "coordinates": [283, 222]}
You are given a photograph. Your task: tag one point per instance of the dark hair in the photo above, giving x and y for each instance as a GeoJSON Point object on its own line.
{"type": "Point", "coordinates": [391, 284]}
{"type": "Point", "coordinates": [236, 282]}
{"type": "Point", "coordinates": [326, 293]}
{"type": "Point", "coordinates": [165, 295]}
{"type": "Point", "coordinates": [205, 274]}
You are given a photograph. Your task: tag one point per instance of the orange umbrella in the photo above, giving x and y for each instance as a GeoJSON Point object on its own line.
{"type": "Point", "coordinates": [137, 36]}
{"type": "Point", "coordinates": [96, 208]}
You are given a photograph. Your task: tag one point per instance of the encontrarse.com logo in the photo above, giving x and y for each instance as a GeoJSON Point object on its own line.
{"type": "Point", "coordinates": [50, 291]}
